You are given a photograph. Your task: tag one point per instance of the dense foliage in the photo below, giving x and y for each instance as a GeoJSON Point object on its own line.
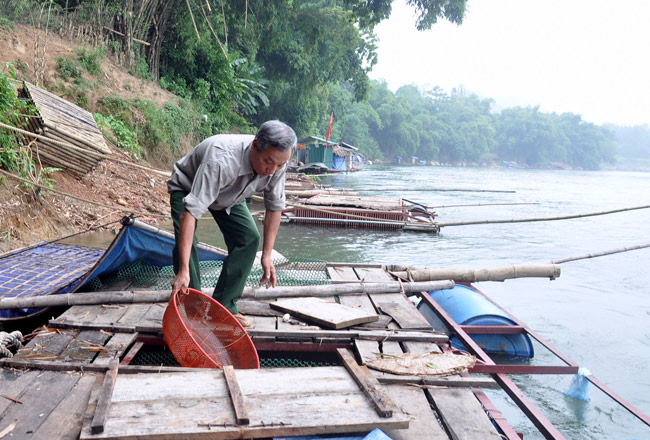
{"type": "Point", "coordinates": [236, 64]}
{"type": "Point", "coordinates": [461, 128]}
{"type": "Point", "coordinates": [15, 153]}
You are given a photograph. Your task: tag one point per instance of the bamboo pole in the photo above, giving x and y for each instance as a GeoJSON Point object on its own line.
{"type": "Point", "coordinates": [541, 219]}
{"type": "Point", "coordinates": [142, 296]}
{"type": "Point", "coordinates": [551, 271]}
{"type": "Point", "coordinates": [317, 192]}
{"type": "Point", "coordinates": [89, 152]}
{"type": "Point", "coordinates": [600, 254]}
{"type": "Point", "coordinates": [75, 139]}
{"type": "Point", "coordinates": [434, 189]}
{"type": "Point", "coordinates": [189, 8]}
{"type": "Point", "coordinates": [483, 204]}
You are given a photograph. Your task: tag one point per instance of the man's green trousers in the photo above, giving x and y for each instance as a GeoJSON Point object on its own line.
{"type": "Point", "coordinates": [242, 240]}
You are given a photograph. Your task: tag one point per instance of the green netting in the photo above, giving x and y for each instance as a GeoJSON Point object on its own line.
{"type": "Point", "coordinates": [301, 360]}
{"type": "Point", "coordinates": [155, 355]}
{"type": "Point", "coordinates": [290, 272]}
{"type": "Point", "coordinates": [158, 355]}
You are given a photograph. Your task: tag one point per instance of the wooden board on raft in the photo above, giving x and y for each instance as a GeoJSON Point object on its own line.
{"type": "Point", "coordinates": [324, 313]}
{"type": "Point", "coordinates": [278, 402]}
{"type": "Point", "coordinates": [367, 202]}
{"type": "Point", "coordinates": [46, 404]}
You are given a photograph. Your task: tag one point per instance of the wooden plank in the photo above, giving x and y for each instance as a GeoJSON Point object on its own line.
{"type": "Point", "coordinates": [367, 350]}
{"type": "Point", "coordinates": [65, 421]}
{"type": "Point", "coordinates": [324, 313]}
{"type": "Point", "coordinates": [82, 313]}
{"type": "Point", "coordinates": [368, 384]}
{"type": "Point", "coordinates": [423, 425]}
{"type": "Point", "coordinates": [92, 401]}
{"type": "Point", "coordinates": [46, 345]}
{"type": "Point", "coordinates": [391, 348]}
{"type": "Point", "coordinates": [359, 301]}
{"type": "Point", "coordinates": [462, 414]}
{"type": "Point", "coordinates": [256, 308]}
{"type": "Point", "coordinates": [449, 381]}
{"type": "Point", "coordinates": [132, 353]}
{"type": "Point", "coordinates": [85, 346]}
{"type": "Point", "coordinates": [83, 367]}
{"type": "Point", "coordinates": [14, 384]}
{"type": "Point", "coordinates": [134, 314]}
{"type": "Point", "coordinates": [43, 395]}
{"type": "Point", "coordinates": [342, 274]}
{"type": "Point", "coordinates": [115, 347]}
{"type": "Point", "coordinates": [372, 275]}
{"type": "Point", "coordinates": [420, 347]}
{"type": "Point", "coordinates": [153, 317]}
{"type": "Point", "coordinates": [104, 398]}
{"type": "Point", "coordinates": [241, 415]}
{"type": "Point", "coordinates": [369, 202]}
{"type": "Point", "coordinates": [380, 324]}
{"type": "Point", "coordinates": [280, 402]}
{"type": "Point", "coordinates": [94, 317]}
{"type": "Point", "coordinates": [400, 309]}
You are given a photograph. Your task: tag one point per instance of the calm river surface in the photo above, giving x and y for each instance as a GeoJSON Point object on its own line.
{"type": "Point", "coordinates": [597, 312]}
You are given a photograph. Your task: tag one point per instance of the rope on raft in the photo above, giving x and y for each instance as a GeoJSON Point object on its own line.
{"type": "Point", "coordinates": [14, 338]}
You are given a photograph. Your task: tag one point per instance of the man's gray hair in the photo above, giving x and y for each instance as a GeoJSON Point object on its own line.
{"type": "Point", "coordinates": [276, 134]}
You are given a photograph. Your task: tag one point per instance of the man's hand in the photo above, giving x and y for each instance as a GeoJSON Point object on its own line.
{"type": "Point", "coordinates": [268, 277]}
{"type": "Point", "coordinates": [181, 281]}
{"type": "Point", "coordinates": [271, 226]}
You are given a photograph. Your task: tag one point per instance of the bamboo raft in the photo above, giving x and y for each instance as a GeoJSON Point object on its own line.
{"type": "Point", "coordinates": [350, 210]}
{"type": "Point", "coordinates": [68, 137]}
{"type": "Point", "coordinates": [67, 381]}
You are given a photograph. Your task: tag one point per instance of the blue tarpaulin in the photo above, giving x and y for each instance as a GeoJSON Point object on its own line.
{"type": "Point", "coordinates": [54, 268]}
{"type": "Point", "coordinates": [43, 269]}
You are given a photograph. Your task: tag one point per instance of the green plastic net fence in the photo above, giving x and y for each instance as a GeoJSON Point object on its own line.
{"type": "Point", "coordinates": [290, 272]}
{"type": "Point", "coordinates": [158, 355]}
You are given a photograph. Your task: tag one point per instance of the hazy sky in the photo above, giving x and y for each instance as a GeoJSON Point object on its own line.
{"type": "Point", "coordinates": [590, 57]}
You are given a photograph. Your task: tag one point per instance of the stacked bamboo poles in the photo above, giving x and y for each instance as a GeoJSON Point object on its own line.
{"type": "Point", "coordinates": [60, 122]}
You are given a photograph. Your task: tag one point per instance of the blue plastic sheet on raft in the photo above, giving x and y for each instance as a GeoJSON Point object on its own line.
{"type": "Point", "coordinates": [43, 269]}
{"type": "Point", "coordinates": [375, 434]}
{"type": "Point", "coordinates": [579, 387]}
{"type": "Point", "coordinates": [55, 268]}
{"type": "Point", "coordinates": [134, 243]}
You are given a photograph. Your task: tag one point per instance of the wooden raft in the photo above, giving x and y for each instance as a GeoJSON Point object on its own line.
{"type": "Point", "coordinates": [278, 402]}
{"type": "Point", "coordinates": [168, 402]}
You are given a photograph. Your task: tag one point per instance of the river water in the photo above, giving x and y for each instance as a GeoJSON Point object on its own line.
{"type": "Point", "coordinates": [597, 312]}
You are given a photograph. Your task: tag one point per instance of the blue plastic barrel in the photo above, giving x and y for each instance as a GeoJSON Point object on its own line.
{"type": "Point", "coordinates": [468, 307]}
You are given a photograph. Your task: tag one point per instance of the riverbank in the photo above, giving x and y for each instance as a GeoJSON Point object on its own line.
{"type": "Point", "coordinates": [109, 191]}
{"type": "Point", "coordinates": [97, 201]}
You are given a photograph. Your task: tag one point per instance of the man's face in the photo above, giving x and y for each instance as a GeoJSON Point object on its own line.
{"type": "Point", "coordinates": [269, 161]}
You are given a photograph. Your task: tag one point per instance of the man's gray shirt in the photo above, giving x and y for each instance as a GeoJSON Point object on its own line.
{"type": "Point", "coordinates": [218, 175]}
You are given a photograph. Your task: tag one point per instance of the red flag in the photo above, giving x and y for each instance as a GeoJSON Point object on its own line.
{"type": "Point", "coordinates": [329, 130]}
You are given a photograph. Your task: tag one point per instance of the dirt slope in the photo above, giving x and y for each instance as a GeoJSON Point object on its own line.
{"type": "Point", "coordinates": [27, 217]}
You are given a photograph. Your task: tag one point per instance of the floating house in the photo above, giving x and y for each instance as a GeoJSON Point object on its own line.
{"type": "Point", "coordinates": [316, 156]}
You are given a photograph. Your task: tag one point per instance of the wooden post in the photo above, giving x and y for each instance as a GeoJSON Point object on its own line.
{"type": "Point", "coordinates": [241, 415]}
{"type": "Point", "coordinates": [104, 398]}
{"type": "Point", "coordinates": [368, 384]}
